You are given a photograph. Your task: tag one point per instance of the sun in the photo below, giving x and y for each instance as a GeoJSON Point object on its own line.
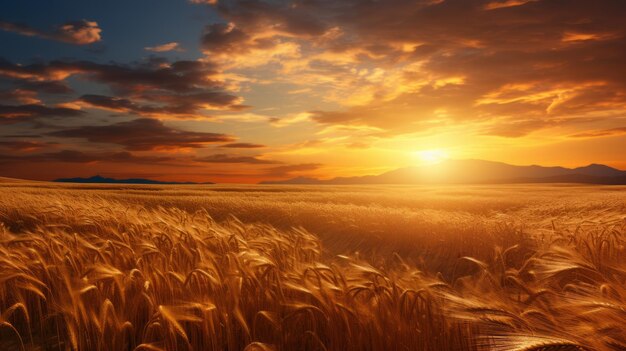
{"type": "Point", "coordinates": [431, 156]}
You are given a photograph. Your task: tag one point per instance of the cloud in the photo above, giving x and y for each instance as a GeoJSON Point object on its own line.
{"type": "Point", "coordinates": [78, 32]}
{"type": "Point", "coordinates": [516, 129]}
{"type": "Point", "coordinates": [35, 72]}
{"type": "Point", "coordinates": [50, 87]}
{"type": "Point", "coordinates": [19, 96]}
{"type": "Point", "coordinates": [290, 119]}
{"type": "Point", "coordinates": [170, 106]}
{"type": "Point", "coordinates": [173, 46]}
{"type": "Point", "coordinates": [259, 33]}
{"type": "Point", "coordinates": [143, 134]}
{"type": "Point", "coordinates": [22, 136]}
{"type": "Point", "coordinates": [220, 37]}
{"type": "Point", "coordinates": [506, 3]}
{"type": "Point", "coordinates": [74, 156]}
{"type": "Point", "coordinates": [301, 19]}
{"type": "Point", "coordinates": [20, 113]}
{"type": "Point", "coordinates": [410, 66]}
{"type": "Point", "coordinates": [179, 76]}
{"type": "Point", "coordinates": [289, 170]}
{"type": "Point", "coordinates": [81, 32]}
{"type": "Point", "coordinates": [156, 88]}
{"type": "Point", "coordinates": [223, 158]}
{"type": "Point", "coordinates": [601, 133]}
{"type": "Point", "coordinates": [112, 104]}
{"type": "Point", "coordinates": [23, 145]}
{"type": "Point", "coordinates": [242, 146]}
{"type": "Point", "coordinates": [234, 48]}
{"type": "Point", "coordinates": [27, 93]}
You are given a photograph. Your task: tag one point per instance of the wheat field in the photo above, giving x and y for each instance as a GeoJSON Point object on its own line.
{"type": "Point", "coordinates": [101, 267]}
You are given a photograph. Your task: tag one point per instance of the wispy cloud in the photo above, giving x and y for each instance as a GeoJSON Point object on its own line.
{"type": "Point", "coordinates": [243, 146]}
{"type": "Point", "coordinates": [223, 158]}
{"type": "Point", "coordinates": [601, 133]}
{"type": "Point", "coordinates": [19, 113]}
{"type": "Point", "coordinates": [74, 156]}
{"type": "Point", "coordinates": [210, 2]}
{"type": "Point", "coordinates": [290, 170]}
{"type": "Point", "coordinates": [144, 134]}
{"type": "Point", "coordinates": [173, 46]}
{"type": "Point", "coordinates": [81, 32]}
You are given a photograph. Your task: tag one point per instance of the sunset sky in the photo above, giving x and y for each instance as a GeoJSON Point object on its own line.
{"type": "Point", "coordinates": [251, 90]}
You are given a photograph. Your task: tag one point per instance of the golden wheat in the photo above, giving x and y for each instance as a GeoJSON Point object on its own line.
{"type": "Point", "coordinates": [310, 268]}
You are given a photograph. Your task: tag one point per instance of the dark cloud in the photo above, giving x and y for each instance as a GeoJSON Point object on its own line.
{"type": "Point", "coordinates": [181, 89]}
{"type": "Point", "coordinates": [180, 106]}
{"type": "Point", "coordinates": [22, 136]}
{"type": "Point", "coordinates": [243, 146]}
{"type": "Point", "coordinates": [143, 134]}
{"type": "Point", "coordinates": [127, 106]}
{"type": "Point", "coordinates": [27, 92]}
{"type": "Point", "coordinates": [113, 103]}
{"type": "Point", "coordinates": [220, 37]}
{"type": "Point", "coordinates": [259, 28]}
{"type": "Point", "coordinates": [19, 113]}
{"type": "Point", "coordinates": [223, 158]}
{"type": "Point", "coordinates": [50, 87]}
{"type": "Point", "coordinates": [299, 18]}
{"type": "Point", "coordinates": [179, 76]}
{"type": "Point", "coordinates": [192, 102]}
{"type": "Point", "coordinates": [80, 32]}
{"type": "Point", "coordinates": [34, 72]}
{"type": "Point", "coordinates": [22, 145]}
{"type": "Point", "coordinates": [73, 156]}
{"type": "Point", "coordinates": [19, 96]}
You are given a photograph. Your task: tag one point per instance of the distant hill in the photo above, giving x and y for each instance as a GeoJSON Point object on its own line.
{"type": "Point", "coordinates": [479, 172]}
{"type": "Point", "coordinates": [102, 180]}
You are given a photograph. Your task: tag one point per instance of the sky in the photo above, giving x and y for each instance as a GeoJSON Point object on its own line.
{"type": "Point", "coordinates": [249, 90]}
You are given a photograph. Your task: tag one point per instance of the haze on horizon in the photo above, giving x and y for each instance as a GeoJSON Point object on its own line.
{"type": "Point", "coordinates": [253, 90]}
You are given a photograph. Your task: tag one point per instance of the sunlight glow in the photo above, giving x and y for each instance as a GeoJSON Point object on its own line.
{"type": "Point", "coordinates": [432, 156]}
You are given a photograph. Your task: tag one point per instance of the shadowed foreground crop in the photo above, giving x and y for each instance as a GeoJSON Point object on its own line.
{"type": "Point", "coordinates": [311, 268]}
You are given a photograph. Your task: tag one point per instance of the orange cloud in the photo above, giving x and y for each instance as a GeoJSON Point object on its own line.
{"type": "Point", "coordinates": [506, 3]}
{"type": "Point", "coordinates": [224, 158]}
{"type": "Point", "coordinates": [210, 2]}
{"type": "Point", "coordinates": [243, 146]}
{"type": "Point", "coordinates": [80, 32]}
{"type": "Point", "coordinates": [601, 133]}
{"type": "Point", "coordinates": [173, 46]}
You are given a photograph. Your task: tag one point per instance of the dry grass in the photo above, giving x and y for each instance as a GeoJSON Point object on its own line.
{"type": "Point", "coordinates": [311, 268]}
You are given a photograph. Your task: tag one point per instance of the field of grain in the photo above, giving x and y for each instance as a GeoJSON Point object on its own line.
{"type": "Point", "coordinates": [521, 267]}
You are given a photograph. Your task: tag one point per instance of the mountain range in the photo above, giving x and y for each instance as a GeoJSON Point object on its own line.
{"type": "Point", "coordinates": [478, 172]}
{"type": "Point", "coordinates": [102, 180]}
